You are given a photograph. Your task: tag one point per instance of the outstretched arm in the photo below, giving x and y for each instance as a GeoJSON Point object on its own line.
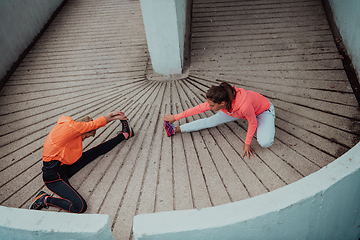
{"type": "Point", "coordinates": [203, 107]}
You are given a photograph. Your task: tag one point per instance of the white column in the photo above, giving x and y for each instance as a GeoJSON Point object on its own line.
{"type": "Point", "coordinates": [165, 24]}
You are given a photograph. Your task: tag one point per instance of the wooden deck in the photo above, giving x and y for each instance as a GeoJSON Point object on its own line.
{"type": "Point", "coordinates": [93, 59]}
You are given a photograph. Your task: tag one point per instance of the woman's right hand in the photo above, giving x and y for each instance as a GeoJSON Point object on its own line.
{"type": "Point", "coordinates": [169, 118]}
{"type": "Point", "coordinates": [117, 115]}
{"type": "Point", "coordinates": [247, 151]}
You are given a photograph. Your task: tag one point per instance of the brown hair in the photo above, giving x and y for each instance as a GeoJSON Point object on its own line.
{"type": "Point", "coordinates": [222, 93]}
{"type": "Point", "coordinates": [86, 119]}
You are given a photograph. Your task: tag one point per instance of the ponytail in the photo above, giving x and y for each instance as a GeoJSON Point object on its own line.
{"type": "Point", "coordinates": [222, 93]}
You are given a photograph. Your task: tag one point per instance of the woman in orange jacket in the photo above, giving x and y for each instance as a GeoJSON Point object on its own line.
{"type": "Point", "coordinates": [63, 157]}
{"type": "Point", "coordinates": [231, 103]}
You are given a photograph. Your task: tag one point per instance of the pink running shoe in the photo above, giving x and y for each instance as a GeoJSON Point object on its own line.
{"type": "Point", "coordinates": [169, 128]}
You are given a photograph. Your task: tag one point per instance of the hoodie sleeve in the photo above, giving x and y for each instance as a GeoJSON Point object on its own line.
{"type": "Point", "coordinates": [249, 114]}
{"type": "Point", "coordinates": [203, 107]}
{"type": "Point", "coordinates": [84, 127]}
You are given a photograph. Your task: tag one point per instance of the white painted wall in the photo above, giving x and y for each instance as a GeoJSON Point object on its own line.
{"type": "Point", "coordinates": [20, 22]}
{"type": "Point", "coordinates": [322, 206]}
{"type": "Point", "coordinates": [347, 18]}
{"type": "Point", "coordinates": [165, 22]}
{"type": "Point", "coordinates": [31, 224]}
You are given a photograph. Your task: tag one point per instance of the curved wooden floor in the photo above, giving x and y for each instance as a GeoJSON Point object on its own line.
{"type": "Point", "coordinates": [93, 59]}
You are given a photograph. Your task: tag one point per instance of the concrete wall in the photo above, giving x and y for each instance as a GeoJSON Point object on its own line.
{"type": "Point", "coordinates": [324, 205]}
{"type": "Point", "coordinates": [20, 22]}
{"type": "Point", "coordinates": [31, 224]}
{"type": "Point", "coordinates": [165, 24]}
{"type": "Point", "coordinates": [347, 18]}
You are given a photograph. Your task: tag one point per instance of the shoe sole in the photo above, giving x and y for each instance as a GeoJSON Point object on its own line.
{"type": "Point", "coordinates": [167, 130]}
{"type": "Point", "coordinates": [131, 131]}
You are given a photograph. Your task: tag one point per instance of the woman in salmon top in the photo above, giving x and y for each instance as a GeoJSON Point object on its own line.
{"type": "Point", "coordinates": [232, 103]}
{"type": "Point", "coordinates": [63, 157]}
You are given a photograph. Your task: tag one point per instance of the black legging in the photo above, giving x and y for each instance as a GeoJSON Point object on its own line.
{"type": "Point", "coordinates": [56, 179]}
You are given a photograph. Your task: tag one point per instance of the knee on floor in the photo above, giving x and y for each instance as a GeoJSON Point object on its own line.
{"type": "Point", "coordinates": [265, 143]}
{"type": "Point", "coordinates": [79, 207]}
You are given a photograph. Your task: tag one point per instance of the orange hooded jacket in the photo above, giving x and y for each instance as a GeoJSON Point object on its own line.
{"type": "Point", "coordinates": [64, 141]}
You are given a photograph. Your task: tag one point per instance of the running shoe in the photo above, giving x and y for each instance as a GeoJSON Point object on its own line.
{"type": "Point", "coordinates": [170, 128]}
{"type": "Point", "coordinates": [39, 202]}
{"type": "Point", "coordinates": [126, 128]}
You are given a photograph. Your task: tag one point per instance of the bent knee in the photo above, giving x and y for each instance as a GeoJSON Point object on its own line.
{"type": "Point", "coordinates": [265, 143]}
{"type": "Point", "coordinates": [78, 207]}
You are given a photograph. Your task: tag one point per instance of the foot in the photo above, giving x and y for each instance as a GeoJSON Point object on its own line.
{"type": "Point", "coordinates": [126, 128]}
{"type": "Point", "coordinates": [39, 202]}
{"type": "Point", "coordinates": [169, 128]}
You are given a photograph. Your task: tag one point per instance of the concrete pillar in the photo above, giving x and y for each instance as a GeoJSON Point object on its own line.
{"type": "Point", "coordinates": [165, 26]}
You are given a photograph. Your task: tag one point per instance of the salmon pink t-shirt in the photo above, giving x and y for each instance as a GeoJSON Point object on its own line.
{"type": "Point", "coordinates": [247, 105]}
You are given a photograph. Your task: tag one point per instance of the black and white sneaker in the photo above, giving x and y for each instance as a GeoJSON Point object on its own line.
{"type": "Point", "coordinates": [126, 128]}
{"type": "Point", "coordinates": [39, 202]}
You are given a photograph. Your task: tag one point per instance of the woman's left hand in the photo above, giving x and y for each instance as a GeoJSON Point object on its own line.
{"type": "Point", "coordinates": [117, 115]}
{"type": "Point", "coordinates": [169, 118]}
{"type": "Point", "coordinates": [247, 150]}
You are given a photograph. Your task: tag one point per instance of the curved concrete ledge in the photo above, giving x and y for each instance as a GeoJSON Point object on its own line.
{"type": "Point", "coordinates": [324, 205]}
{"type": "Point", "coordinates": [29, 224]}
